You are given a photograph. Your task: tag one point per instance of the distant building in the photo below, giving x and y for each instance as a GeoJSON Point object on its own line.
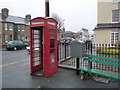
{"type": "Point", "coordinates": [69, 34]}
{"type": "Point", "coordinates": [91, 36]}
{"type": "Point", "coordinates": [107, 30]}
{"type": "Point", "coordinates": [84, 34]}
{"type": "Point", "coordinates": [61, 33]}
{"type": "Point", "coordinates": [13, 25]}
{"type": "Point", "coordinates": [77, 35]}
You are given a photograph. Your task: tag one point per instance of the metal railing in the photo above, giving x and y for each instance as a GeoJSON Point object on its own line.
{"type": "Point", "coordinates": [64, 57]}
{"type": "Point", "coordinates": [103, 50]}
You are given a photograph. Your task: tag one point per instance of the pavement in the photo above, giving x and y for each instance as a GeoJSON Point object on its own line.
{"type": "Point", "coordinates": [15, 74]}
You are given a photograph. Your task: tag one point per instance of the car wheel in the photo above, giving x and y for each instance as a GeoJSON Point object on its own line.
{"type": "Point", "coordinates": [7, 49]}
{"type": "Point", "coordinates": [15, 48]}
{"type": "Point", "coordinates": [25, 47]}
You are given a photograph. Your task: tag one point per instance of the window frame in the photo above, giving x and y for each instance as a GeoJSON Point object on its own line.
{"type": "Point", "coordinates": [115, 32]}
{"type": "Point", "coordinates": [115, 1]}
{"type": "Point", "coordinates": [11, 27]}
{"type": "Point", "coordinates": [5, 26]}
{"type": "Point", "coordinates": [115, 15]}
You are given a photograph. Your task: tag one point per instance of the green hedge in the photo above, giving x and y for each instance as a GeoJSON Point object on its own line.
{"type": "Point", "coordinates": [108, 51]}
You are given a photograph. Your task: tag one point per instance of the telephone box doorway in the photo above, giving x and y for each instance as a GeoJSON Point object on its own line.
{"type": "Point", "coordinates": [37, 48]}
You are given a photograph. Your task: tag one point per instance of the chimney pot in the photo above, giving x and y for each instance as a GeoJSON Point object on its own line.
{"type": "Point", "coordinates": [5, 13]}
{"type": "Point", "coordinates": [28, 18]}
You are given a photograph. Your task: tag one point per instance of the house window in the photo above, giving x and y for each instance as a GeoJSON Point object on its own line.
{"type": "Point", "coordinates": [115, 15]}
{"type": "Point", "coordinates": [22, 37]}
{"type": "Point", "coordinates": [5, 25]}
{"type": "Point", "coordinates": [18, 27]}
{"type": "Point", "coordinates": [116, 0]}
{"type": "Point", "coordinates": [11, 27]}
{"type": "Point", "coordinates": [114, 37]}
{"type": "Point", "coordinates": [22, 28]}
{"type": "Point", "coordinates": [6, 38]}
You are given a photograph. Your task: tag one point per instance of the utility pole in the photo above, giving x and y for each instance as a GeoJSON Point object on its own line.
{"type": "Point", "coordinates": [47, 8]}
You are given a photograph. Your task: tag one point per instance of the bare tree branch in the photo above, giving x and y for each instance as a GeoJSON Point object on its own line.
{"type": "Point", "coordinates": [58, 19]}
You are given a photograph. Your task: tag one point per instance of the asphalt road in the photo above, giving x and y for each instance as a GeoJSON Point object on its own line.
{"type": "Point", "coordinates": [9, 57]}
{"type": "Point", "coordinates": [16, 74]}
{"type": "Point", "coordinates": [14, 65]}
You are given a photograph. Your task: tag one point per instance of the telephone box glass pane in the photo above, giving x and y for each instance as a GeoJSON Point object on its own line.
{"type": "Point", "coordinates": [36, 63]}
{"type": "Point", "coordinates": [52, 50]}
{"type": "Point", "coordinates": [52, 58]}
{"type": "Point", "coordinates": [52, 31]}
{"type": "Point", "coordinates": [36, 41]}
{"type": "Point", "coordinates": [36, 52]}
{"type": "Point", "coordinates": [36, 36]}
{"type": "Point", "coordinates": [36, 32]}
{"type": "Point", "coordinates": [52, 36]}
{"type": "Point", "coordinates": [52, 42]}
{"type": "Point", "coordinates": [36, 59]}
{"type": "Point", "coordinates": [36, 44]}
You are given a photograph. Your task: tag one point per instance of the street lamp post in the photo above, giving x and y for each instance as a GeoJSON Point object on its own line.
{"type": "Point", "coordinates": [47, 8]}
{"type": "Point", "coordinates": [63, 32]}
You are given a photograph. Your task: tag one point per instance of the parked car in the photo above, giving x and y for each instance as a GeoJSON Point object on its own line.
{"type": "Point", "coordinates": [15, 45]}
{"type": "Point", "coordinates": [28, 49]}
{"type": "Point", "coordinates": [36, 45]}
{"type": "Point", "coordinates": [67, 40]}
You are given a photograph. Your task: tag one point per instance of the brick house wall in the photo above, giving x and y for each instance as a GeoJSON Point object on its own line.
{"type": "Point", "coordinates": [8, 33]}
{"type": "Point", "coordinates": [0, 34]}
{"type": "Point", "coordinates": [8, 23]}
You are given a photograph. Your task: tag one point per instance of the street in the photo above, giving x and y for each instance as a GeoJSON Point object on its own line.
{"type": "Point", "coordinates": [16, 74]}
{"type": "Point", "coordinates": [9, 57]}
{"type": "Point", "coordinates": [13, 62]}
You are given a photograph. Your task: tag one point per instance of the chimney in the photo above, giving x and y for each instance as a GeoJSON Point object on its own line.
{"type": "Point", "coordinates": [5, 13]}
{"type": "Point", "coordinates": [27, 18]}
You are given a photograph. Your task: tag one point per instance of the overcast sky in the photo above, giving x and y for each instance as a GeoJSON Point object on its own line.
{"type": "Point", "coordinates": [77, 13]}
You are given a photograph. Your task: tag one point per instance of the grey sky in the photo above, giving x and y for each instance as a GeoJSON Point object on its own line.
{"type": "Point", "coordinates": [77, 13]}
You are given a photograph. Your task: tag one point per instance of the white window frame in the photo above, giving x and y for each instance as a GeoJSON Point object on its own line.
{"type": "Point", "coordinates": [118, 16]}
{"type": "Point", "coordinates": [113, 31]}
{"type": "Point", "coordinates": [11, 27]}
{"type": "Point", "coordinates": [22, 28]}
{"type": "Point", "coordinates": [19, 28]}
{"type": "Point", "coordinates": [115, 1]}
{"type": "Point", "coordinates": [6, 26]}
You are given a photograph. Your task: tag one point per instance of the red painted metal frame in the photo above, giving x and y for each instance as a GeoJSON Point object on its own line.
{"type": "Point", "coordinates": [49, 68]}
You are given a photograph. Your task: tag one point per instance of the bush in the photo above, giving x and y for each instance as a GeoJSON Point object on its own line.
{"type": "Point", "coordinates": [109, 51]}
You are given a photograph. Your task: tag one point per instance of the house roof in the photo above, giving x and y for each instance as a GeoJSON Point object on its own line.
{"type": "Point", "coordinates": [69, 32]}
{"type": "Point", "coordinates": [14, 19]}
{"type": "Point", "coordinates": [107, 25]}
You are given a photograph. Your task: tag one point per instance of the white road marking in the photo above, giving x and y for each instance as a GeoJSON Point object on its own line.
{"type": "Point", "coordinates": [12, 63]}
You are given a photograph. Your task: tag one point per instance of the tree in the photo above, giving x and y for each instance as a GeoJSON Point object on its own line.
{"type": "Point", "coordinates": [59, 20]}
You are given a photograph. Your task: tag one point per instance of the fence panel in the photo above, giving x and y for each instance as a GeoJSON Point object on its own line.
{"type": "Point", "coordinates": [103, 50]}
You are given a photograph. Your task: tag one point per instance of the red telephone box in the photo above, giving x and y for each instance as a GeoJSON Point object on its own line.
{"type": "Point", "coordinates": [43, 45]}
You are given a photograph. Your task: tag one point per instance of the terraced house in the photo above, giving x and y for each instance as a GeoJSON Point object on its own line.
{"type": "Point", "coordinates": [13, 27]}
{"type": "Point", "coordinates": [107, 30]}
